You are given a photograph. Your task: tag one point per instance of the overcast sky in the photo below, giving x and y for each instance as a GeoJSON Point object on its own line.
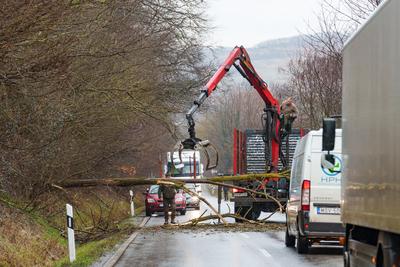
{"type": "Point", "coordinates": [248, 22]}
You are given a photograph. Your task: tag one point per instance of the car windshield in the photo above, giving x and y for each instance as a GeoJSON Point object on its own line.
{"type": "Point", "coordinates": [187, 170]}
{"type": "Point", "coordinates": [153, 189]}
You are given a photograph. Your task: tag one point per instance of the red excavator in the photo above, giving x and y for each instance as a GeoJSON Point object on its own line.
{"type": "Point", "coordinates": [278, 118]}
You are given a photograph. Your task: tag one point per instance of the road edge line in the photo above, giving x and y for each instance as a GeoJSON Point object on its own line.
{"type": "Point", "coordinates": [120, 251]}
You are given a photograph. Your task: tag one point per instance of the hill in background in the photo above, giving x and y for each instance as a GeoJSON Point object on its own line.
{"type": "Point", "coordinates": [267, 57]}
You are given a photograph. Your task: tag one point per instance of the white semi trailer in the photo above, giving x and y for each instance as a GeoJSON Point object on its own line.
{"type": "Point", "coordinates": [370, 207]}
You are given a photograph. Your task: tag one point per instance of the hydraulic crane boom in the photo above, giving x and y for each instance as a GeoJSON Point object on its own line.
{"type": "Point", "coordinates": [240, 59]}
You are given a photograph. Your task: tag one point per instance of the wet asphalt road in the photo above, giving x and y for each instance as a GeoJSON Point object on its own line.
{"type": "Point", "coordinates": [220, 249]}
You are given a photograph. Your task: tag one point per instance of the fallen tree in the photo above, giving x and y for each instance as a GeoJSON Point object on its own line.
{"type": "Point", "coordinates": [130, 181]}
{"type": "Point", "coordinates": [180, 184]}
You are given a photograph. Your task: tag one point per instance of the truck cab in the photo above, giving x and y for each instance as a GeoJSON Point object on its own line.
{"type": "Point", "coordinates": [187, 166]}
{"type": "Point", "coordinates": [313, 207]}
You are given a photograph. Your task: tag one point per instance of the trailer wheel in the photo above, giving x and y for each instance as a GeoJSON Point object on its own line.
{"type": "Point", "coordinates": [254, 214]}
{"type": "Point", "coordinates": [290, 240]}
{"type": "Point", "coordinates": [241, 210]}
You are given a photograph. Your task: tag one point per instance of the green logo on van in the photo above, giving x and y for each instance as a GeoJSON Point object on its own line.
{"type": "Point", "coordinates": [336, 169]}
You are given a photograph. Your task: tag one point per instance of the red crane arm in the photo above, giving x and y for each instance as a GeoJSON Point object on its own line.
{"type": "Point", "coordinates": [240, 59]}
{"type": "Point", "coordinates": [240, 54]}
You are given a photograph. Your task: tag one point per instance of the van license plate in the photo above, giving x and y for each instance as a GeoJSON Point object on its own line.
{"type": "Point", "coordinates": [328, 210]}
{"type": "Point", "coordinates": [240, 194]}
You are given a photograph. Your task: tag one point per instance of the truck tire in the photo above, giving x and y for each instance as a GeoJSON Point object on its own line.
{"type": "Point", "coordinates": [183, 212]}
{"type": "Point", "coordinates": [388, 250]}
{"type": "Point", "coordinates": [241, 210]}
{"type": "Point", "coordinates": [290, 240]}
{"type": "Point", "coordinates": [247, 212]}
{"type": "Point", "coordinates": [254, 213]}
{"type": "Point", "coordinates": [302, 244]}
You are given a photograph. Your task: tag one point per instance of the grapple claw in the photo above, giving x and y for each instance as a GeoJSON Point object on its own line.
{"type": "Point", "coordinates": [203, 146]}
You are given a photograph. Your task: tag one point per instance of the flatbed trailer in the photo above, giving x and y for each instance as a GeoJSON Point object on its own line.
{"type": "Point", "coordinates": [250, 156]}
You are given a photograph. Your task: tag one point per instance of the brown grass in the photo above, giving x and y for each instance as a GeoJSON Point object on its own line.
{"type": "Point", "coordinates": [24, 242]}
{"type": "Point", "coordinates": [37, 238]}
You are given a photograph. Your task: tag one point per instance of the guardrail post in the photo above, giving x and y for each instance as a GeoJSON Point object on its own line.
{"type": "Point", "coordinates": [219, 201]}
{"type": "Point", "coordinates": [132, 203]}
{"type": "Point", "coordinates": [71, 233]}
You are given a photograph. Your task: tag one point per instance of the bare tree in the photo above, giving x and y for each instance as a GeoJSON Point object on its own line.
{"type": "Point", "coordinates": [315, 74]}
{"type": "Point", "coordinates": [88, 86]}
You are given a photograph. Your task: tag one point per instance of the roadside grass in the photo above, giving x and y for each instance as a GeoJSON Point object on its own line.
{"type": "Point", "coordinates": [88, 253]}
{"type": "Point", "coordinates": [38, 238]}
{"type": "Point", "coordinates": [26, 240]}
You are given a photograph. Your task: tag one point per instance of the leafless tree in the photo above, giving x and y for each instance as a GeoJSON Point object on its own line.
{"type": "Point", "coordinates": [88, 86]}
{"type": "Point", "coordinates": [315, 74]}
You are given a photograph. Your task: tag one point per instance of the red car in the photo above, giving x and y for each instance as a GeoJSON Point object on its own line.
{"type": "Point", "coordinates": [155, 204]}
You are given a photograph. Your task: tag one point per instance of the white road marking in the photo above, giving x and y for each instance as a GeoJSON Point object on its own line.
{"type": "Point", "coordinates": [265, 252]}
{"type": "Point", "coordinates": [244, 235]}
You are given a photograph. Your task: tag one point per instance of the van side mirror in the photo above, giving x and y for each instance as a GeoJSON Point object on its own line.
{"type": "Point", "coordinates": [328, 134]}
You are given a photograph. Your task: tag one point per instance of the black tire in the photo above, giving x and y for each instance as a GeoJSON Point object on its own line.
{"type": "Point", "coordinates": [388, 250]}
{"type": "Point", "coordinates": [255, 214]}
{"type": "Point", "coordinates": [302, 245]}
{"type": "Point", "coordinates": [346, 259]}
{"type": "Point", "coordinates": [183, 212]}
{"type": "Point", "coordinates": [148, 213]}
{"type": "Point", "coordinates": [290, 241]}
{"type": "Point", "coordinates": [239, 210]}
{"type": "Point", "coordinates": [248, 213]}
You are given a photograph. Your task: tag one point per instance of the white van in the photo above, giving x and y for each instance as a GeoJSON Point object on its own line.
{"type": "Point", "coordinates": [313, 207]}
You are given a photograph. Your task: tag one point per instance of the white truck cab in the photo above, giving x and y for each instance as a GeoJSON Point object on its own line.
{"type": "Point", "coordinates": [190, 167]}
{"type": "Point", "coordinates": [313, 207]}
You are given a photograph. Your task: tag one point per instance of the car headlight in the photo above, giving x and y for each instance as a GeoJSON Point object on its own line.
{"type": "Point", "coordinates": [151, 200]}
{"type": "Point", "coordinates": [179, 199]}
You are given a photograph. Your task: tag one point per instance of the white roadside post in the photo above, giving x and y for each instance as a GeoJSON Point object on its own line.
{"type": "Point", "coordinates": [132, 204]}
{"type": "Point", "coordinates": [71, 233]}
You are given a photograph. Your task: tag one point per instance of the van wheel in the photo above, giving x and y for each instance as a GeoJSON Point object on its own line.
{"type": "Point", "coordinates": [290, 240]}
{"type": "Point", "coordinates": [302, 244]}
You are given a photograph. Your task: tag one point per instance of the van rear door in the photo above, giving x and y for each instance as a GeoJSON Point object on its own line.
{"type": "Point", "coordinates": [325, 183]}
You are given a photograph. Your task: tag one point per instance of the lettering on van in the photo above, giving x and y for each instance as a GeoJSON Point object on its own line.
{"type": "Point", "coordinates": [330, 180]}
